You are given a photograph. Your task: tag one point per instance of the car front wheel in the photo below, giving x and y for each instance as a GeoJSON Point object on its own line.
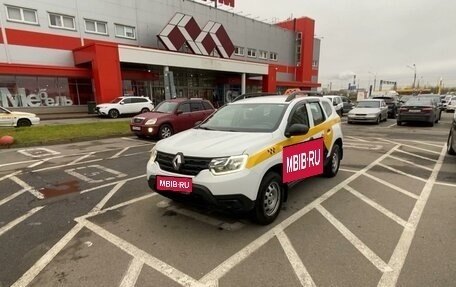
{"type": "Point", "coordinates": [113, 114]}
{"type": "Point", "coordinates": [23, 123]}
{"type": "Point", "coordinates": [332, 166]}
{"type": "Point", "coordinates": [450, 143]}
{"type": "Point", "coordinates": [165, 131]}
{"type": "Point", "coordinates": [144, 110]}
{"type": "Point", "coordinates": [269, 199]}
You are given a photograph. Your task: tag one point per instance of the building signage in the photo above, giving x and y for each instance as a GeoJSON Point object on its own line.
{"type": "Point", "coordinates": [303, 160]}
{"type": "Point", "coordinates": [21, 99]}
{"type": "Point", "coordinates": [183, 29]}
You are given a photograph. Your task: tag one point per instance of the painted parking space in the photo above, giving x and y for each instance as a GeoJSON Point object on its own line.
{"type": "Point", "coordinates": [330, 231]}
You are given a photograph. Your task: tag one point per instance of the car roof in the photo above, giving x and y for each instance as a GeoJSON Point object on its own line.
{"type": "Point", "coordinates": [371, 100]}
{"type": "Point", "coordinates": [276, 99]}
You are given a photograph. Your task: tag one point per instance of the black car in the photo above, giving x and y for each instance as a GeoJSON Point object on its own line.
{"type": "Point", "coordinates": [392, 101]}
{"type": "Point", "coordinates": [418, 109]}
{"type": "Point", "coordinates": [348, 105]}
{"type": "Point", "coordinates": [438, 101]}
{"type": "Point", "coordinates": [451, 144]}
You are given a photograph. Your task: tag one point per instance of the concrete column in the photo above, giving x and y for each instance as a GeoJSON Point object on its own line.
{"type": "Point", "coordinates": [243, 83]}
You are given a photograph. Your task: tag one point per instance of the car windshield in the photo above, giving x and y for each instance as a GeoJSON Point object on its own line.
{"type": "Point", "coordinates": [388, 100]}
{"type": "Point", "coordinates": [116, 100]}
{"type": "Point", "coordinates": [246, 118]}
{"type": "Point", "coordinates": [368, 104]}
{"type": "Point", "coordinates": [166, 107]}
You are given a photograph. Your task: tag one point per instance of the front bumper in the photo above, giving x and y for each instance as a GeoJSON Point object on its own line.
{"type": "Point", "coordinates": [230, 192]}
{"type": "Point", "coordinates": [149, 130]}
{"type": "Point", "coordinates": [363, 119]}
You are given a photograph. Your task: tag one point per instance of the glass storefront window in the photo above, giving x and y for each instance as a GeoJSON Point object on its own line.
{"type": "Point", "coordinates": [28, 91]}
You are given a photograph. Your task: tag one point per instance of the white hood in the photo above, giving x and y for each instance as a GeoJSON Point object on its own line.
{"type": "Point", "coordinates": [23, 114]}
{"type": "Point", "coordinates": [207, 143]}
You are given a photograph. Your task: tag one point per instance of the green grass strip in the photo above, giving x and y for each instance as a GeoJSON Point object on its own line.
{"type": "Point", "coordinates": [43, 134]}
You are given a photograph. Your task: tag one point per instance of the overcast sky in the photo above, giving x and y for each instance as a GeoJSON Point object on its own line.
{"type": "Point", "coordinates": [366, 37]}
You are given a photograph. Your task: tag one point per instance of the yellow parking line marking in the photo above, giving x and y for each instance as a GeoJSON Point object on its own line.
{"type": "Point", "coordinates": [377, 206]}
{"type": "Point", "coordinates": [296, 262]}
{"type": "Point", "coordinates": [355, 241]}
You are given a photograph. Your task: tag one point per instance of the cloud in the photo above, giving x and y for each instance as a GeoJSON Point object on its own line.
{"type": "Point", "coordinates": [346, 75]}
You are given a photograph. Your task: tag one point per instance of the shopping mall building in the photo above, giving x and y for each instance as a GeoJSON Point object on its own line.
{"type": "Point", "coordinates": [69, 53]}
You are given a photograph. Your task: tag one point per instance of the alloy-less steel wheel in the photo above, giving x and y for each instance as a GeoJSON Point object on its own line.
{"type": "Point", "coordinates": [332, 167]}
{"type": "Point", "coordinates": [269, 198]}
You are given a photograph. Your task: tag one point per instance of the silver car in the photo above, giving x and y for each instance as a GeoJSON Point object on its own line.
{"type": "Point", "coordinates": [368, 111]}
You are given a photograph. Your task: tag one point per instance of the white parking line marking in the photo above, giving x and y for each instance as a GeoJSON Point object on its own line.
{"type": "Point", "coordinates": [132, 274]}
{"type": "Point", "coordinates": [67, 164]}
{"type": "Point", "coordinates": [116, 188]}
{"type": "Point", "coordinates": [30, 189]}
{"type": "Point", "coordinates": [38, 152]}
{"type": "Point", "coordinates": [390, 126]}
{"type": "Point", "coordinates": [348, 170]}
{"type": "Point", "coordinates": [18, 162]}
{"type": "Point", "coordinates": [402, 173]}
{"type": "Point", "coordinates": [377, 206]}
{"type": "Point", "coordinates": [19, 220]}
{"type": "Point", "coordinates": [28, 276]}
{"type": "Point", "coordinates": [81, 158]}
{"type": "Point", "coordinates": [120, 152]}
{"type": "Point", "coordinates": [410, 163]}
{"type": "Point", "coordinates": [111, 183]}
{"type": "Point", "coordinates": [397, 260]}
{"type": "Point", "coordinates": [73, 172]}
{"type": "Point", "coordinates": [296, 262]}
{"type": "Point", "coordinates": [410, 146]}
{"type": "Point", "coordinates": [230, 263]}
{"type": "Point", "coordinates": [162, 267]}
{"type": "Point", "coordinates": [363, 146]}
{"type": "Point", "coordinates": [426, 143]}
{"type": "Point", "coordinates": [10, 175]}
{"type": "Point", "coordinates": [416, 155]}
{"type": "Point", "coordinates": [355, 241]}
{"type": "Point", "coordinates": [445, 183]}
{"type": "Point", "coordinates": [392, 186]}
{"type": "Point", "coordinates": [356, 139]}
{"type": "Point", "coordinates": [12, 196]}
{"type": "Point", "coordinates": [206, 219]}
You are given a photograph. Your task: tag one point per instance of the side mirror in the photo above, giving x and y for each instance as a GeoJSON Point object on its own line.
{"type": "Point", "coordinates": [178, 112]}
{"type": "Point", "coordinates": [296, 130]}
{"type": "Point", "coordinates": [121, 103]}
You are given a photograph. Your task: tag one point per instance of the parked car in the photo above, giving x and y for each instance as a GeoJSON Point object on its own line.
{"type": "Point", "coordinates": [368, 111]}
{"type": "Point", "coordinates": [125, 105]}
{"type": "Point", "coordinates": [446, 100]}
{"type": "Point", "coordinates": [451, 106]}
{"type": "Point", "coordinates": [438, 102]}
{"type": "Point", "coordinates": [337, 103]}
{"type": "Point", "coordinates": [347, 104]}
{"type": "Point", "coordinates": [170, 117]}
{"type": "Point", "coordinates": [451, 143]}
{"type": "Point", "coordinates": [392, 101]}
{"type": "Point", "coordinates": [418, 109]}
{"type": "Point", "coordinates": [240, 158]}
{"type": "Point", "coordinates": [17, 119]}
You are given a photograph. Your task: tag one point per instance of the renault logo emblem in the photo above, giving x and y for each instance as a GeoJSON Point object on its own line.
{"type": "Point", "coordinates": [178, 161]}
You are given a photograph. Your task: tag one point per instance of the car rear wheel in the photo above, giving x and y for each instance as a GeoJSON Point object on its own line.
{"type": "Point", "coordinates": [332, 166]}
{"type": "Point", "coordinates": [24, 123]}
{"type": "Point", "coordinates": [165, 131]}
{"type": "Point", "coordinates": [113, 113]}
{"type": "Point", "coordinates": [269, 198]}
{"type": "Point", "coordinates": [450, 143]}
{"type": "Point", "coordinates": [144, 110]}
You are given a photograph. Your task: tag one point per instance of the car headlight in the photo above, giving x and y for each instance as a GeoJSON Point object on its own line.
{"type": "Point", "coordinates": [151, 122]}
{"type": "Point", "coordinates": [220, 166]}
{"type": "Point", "coordinates": [153, 155]}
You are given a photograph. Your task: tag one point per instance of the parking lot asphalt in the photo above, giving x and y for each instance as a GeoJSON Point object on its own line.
{"type": "Point", "coordinates": [81, 214]}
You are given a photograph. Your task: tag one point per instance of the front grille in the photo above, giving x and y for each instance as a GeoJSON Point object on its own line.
{"type": "Point", "coordinates": [360, 114]}
{"type": "Point", "coordinates": [191, 166]}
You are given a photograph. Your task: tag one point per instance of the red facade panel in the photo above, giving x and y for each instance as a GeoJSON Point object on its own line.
{"type": "Point", "coordinates": [42, 40]}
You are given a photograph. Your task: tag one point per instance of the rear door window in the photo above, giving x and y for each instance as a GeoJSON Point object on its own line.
{"type": "Point", "coordinates": [317, 113]}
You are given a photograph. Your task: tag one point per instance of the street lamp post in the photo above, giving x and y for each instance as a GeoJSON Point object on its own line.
{"type": "Point", "coordinates": [375, 79]}
{"type": "Point", "coordinates": [414, 74]}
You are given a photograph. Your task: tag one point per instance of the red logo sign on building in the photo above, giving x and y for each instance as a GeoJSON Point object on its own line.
{"type": "Point", "coordinates": [303, 160]}
{"type": "Point", "coordinates": [184, 29]}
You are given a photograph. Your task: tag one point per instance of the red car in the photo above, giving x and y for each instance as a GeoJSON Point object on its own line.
{"type": "Point", "coordinates": [170, 117]}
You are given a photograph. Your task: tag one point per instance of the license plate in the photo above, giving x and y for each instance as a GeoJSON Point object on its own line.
{"type": "Point", "coordinates": [414, 111]}
{"type": "Point", "coordinates": [177, 184]}
{"type": "Point", "coordinates": [135, 128]}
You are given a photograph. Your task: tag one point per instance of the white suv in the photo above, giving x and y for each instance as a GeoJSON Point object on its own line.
{"type": "Point", "coordinates": [125, 105]}
{"type": "Point", "coordinates": [337, 103]}
{"type": "Point", "coordinates": [235, 160]}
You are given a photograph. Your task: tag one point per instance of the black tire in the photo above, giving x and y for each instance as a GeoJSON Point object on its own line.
{"type": "Point", "coordinates": [378, 120]}
{"type": "Point", "coordinates": [450, 149]}
{"type": "Point", "coordinates": [269, 199]}
{"type": "Point", "coordinates": [431, 123]}
{"type": "Point", "coordinates": [144, 110]}
{"type": "Point", "coordinates": [332, 167]}
{"type": "Point", "coordinates": [114, 114]}
{"type": "Point", "coordinates": [399, 123]}
{"type": "Point", "coordinates": [165, 131]}
{"type": "Point", "coordinates": [349, 122]}
{"type": "Point", "coordinates": [24, 123]}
